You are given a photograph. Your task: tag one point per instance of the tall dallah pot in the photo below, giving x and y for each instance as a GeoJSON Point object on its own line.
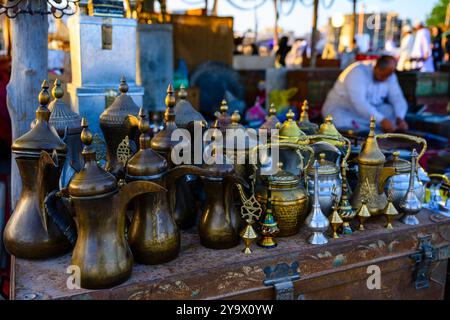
{"type": "Point", "coordinates": [101, 251]}
{"type": "Point", "coordinates": [31, 233]}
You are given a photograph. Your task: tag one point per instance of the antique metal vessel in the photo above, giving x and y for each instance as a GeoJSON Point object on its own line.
{"type": "Point", "coordinates": [399, 183]}
{"type": "Point", "coordinates": [372, 176]}
{"type": "Point", "coordinates": [154, 236]}
{"type": "Point", "coordinates": [289, 197]}
{"type": "Point", "coordinates": [345, 209]}
{"type": "Point", "coordinates": [67, 124]}
{"type": "Point", "coordinates": [119, 123]}
{"type": "Point", "coordinates": [411, 205]}
{"type": "Point", "coordinates": [304, 124]}
{"type": "Point", "coordinates": [269, 227]}
{"type": "Point", "coordinates": [182, 199]}
{"type": "Point", "coordinates": [31, 233]}
{"type": "Point", "coordinates": [316, 221]}
{"type": "Point", "coordinates": [101, 251]}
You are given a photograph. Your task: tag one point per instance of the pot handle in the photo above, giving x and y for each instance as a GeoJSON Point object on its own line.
{"type": "Point", "coordinates": [61, 218]}
{"type": "Point", "coordinates": [297, 147]}
{"type": "Point", "coordinates": [407, 137]}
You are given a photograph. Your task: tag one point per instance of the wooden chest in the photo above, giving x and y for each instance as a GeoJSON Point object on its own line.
{"type": "Point", "coordinates": [409, 262]}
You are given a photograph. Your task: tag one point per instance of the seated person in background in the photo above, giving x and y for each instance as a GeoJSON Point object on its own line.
{"type": "Point", "coordinates": [368, 89]}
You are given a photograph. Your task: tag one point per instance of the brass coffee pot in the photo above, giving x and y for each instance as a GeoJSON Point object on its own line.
{"type": "Point", "coordinates": [67, 124]}
{"type": "Point", "coordinates": [118, 123]}
{"type": "Point", "coordinates": [101, 251]}
{"type": "Point", "coordinates": [154, 236]}
{"type": "Point", "coordinates": [372, 176]}
{"type": "Point", "coordinates": [30, 232]}
{"type": "Point", "coordinates": [182, 199]}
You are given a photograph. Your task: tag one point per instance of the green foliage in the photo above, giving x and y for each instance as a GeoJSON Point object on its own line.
{"type": "Point", "coordinates": [437, 16]}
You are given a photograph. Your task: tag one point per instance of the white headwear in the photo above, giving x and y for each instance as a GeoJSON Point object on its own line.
{"type": "Point", "coordinates": [406, 28]}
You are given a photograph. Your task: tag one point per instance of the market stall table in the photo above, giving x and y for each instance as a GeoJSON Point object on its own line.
{"type": "Point", "coordinates": [339, 270]}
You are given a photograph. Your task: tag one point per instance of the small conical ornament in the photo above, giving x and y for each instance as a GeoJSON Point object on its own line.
{"type": "Point", "coordinates": [269, 227]}
{"type": "Point", "coordinates": [248, 235]}
{"type": "Point", "coordinates": [390, 212]}
{"type": "Point", "coordinates": [336, 222]}
{"type": "Point", "coordinates": [345, 209]}
{"type": "Point", "coordinates": [363, 215]}
{"type": "Point", "coordinates": [305, 125]}
{"type": "Point", "coordinates": [410, 205]}
{"type": "Point", "coordinates": [317, 222]}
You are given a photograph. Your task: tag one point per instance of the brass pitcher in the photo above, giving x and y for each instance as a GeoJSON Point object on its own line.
{"type": "Point", "coordinates": [372, 176]}
{"type": "Point", "coordinates": [119, 122]}
{"type": "Point", "coordinates": [153, 236]}
{"type": "Point", "coordinates": [31, 233]}
{"type": "Point", "coordinates": [67, 124]}
{"type": "Point", "coordinates": [220, 222]}
{"type": "Point", "coordinates": [101, 251]}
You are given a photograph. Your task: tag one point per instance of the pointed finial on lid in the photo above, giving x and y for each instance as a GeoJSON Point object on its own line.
{"type": "Point", "coordinates": [57, 91]}
{"type": "Point", "coordinates": [290, 115]}
{"type": "Point", "coordinates": [329, 119]}
{"type": "Point", "coordinates": [44, 95]}
{"type": "Point", "coordinates": [123, 87]}
{"type": "Point", "coordinates": [170, 99]}
{"type": "Point", "coordinates": [372, 127]}
{"type": "Point", "coordinates": [144, 126]}
{"type": "Point", "coordinates": [182, 94]}
{"type": "Point", "coordinates": [316, 165]}
{"type": "Point", "coordinates": [414, 153]}
{"type": "Point", "coordinates": [86, 134]}
{"type": "Point", "coordinates": [224, 106]}
{"type": "Point", "coordinates": [235, 117]}
{"type": "Point", "coordinates": [304, 117]}
{"type": "Point", "coordinates": [272, 110]}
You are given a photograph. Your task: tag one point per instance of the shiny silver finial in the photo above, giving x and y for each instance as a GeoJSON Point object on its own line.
{"type": "Point", "coordinates": [410, 205]}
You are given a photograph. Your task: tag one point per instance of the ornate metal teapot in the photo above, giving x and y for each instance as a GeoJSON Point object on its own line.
{"type": "Point", "coordinates": [304, 124]}
{"type": "Point", "coordinates": [118, 123]}
{"type": "Point", "coordinates": [329, 172]}
{"type": "Point", "coordinates": [398, 185]}
{"type": "Point", "coordinates": [372, 176]}
{"type": "Point", "coordinates": [101, 251]}
{"type": "Point", "coordinates": [67, 124]}
{"type": "Point", "coordinates": [31, 233]}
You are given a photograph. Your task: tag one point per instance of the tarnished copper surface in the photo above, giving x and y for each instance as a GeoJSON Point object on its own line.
{"type": "Point", "coordinates": [334, 271]}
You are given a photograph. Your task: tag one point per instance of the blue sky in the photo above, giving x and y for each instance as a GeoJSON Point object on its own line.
{"type": "Point", "coordinates": [300, 20]}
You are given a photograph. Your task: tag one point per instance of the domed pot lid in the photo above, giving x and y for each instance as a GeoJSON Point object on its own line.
{"type": "Point", "coordinates": [146, 162]}
{"type": "Point", "coordinates": [326, 167]}
{"type": "Point", "coordinates": [121, 108]}
{"type": "Point", "coordinates": [290, 130]}
{"type": "Point", "coordinates": [304, 124]}
{"type": "Point", "coordinates": [92, 180]}
{"type": "Point", "coordinates": [185, 113]}
{"type": "Point", "coordinates": [62, 116]}
{"type": "Point", "coordinates": [272, 122]}
{"type": "Point", "coordinates": [42, 136]}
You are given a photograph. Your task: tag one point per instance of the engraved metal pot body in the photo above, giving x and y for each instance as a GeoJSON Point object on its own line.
{"type": "Point", "coordinates": [372, 177]}
{"type": "Point", "coordinates": [30, 232]}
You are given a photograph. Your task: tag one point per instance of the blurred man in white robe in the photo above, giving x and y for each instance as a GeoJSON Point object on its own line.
{"type": "Point", "coordinates": [422, 49]}
{"type": "Point", "coordinates": [367, 89]}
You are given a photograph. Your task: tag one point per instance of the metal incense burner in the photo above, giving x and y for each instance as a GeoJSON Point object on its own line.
{"type": "Point", "coordinates": [31, 233]}
{"type": "Point", "coordinates": [101, 251]}
{"type": "Point", "coordinates": [119, 126]}
{"type": "Point", "coordinates": [373, 176]}
{"type": "Point", "coordinates": [67, 124]}
{"type": "Point", "coordinates": [410, 205]}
